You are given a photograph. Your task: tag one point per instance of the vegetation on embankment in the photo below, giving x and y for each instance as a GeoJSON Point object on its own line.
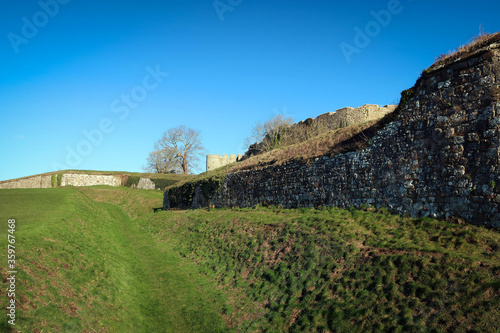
{"type": "Point", "coordinates": [84, 266]}
{"type": "Point", "coordinates": [478, 42]}
{"type": "Point", "coordinates": [350, 138]}
{"type": "Point", "coordinates": [100, 258]}
{"type": "Point", "coordinates": [333, 270]}
{"type": "Point", "coordinates": [329, 143]}
{"type": "Point", "coordinates": [333, 142]}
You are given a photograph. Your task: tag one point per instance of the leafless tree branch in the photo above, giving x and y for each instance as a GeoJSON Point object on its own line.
{"type": "Point", "coordinates": [181, 146]}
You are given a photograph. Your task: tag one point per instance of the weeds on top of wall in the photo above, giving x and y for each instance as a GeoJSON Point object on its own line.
{"type": "Point", "coordinates": [163, 183]}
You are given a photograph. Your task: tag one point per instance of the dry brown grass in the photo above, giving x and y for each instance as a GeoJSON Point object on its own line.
{"type": "Point", "coordinates": [466, 50]}
{"type": "Point", "coordinates": [328, 143]}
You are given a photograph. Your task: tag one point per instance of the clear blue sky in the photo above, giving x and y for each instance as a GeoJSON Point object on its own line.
{"type": "Point", "coordinates": [86, 66]}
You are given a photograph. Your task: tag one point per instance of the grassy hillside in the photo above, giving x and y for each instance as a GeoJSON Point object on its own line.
{"type": "Point", "coordinates": [334, 270]}
{"type": "Point", "coordinates": [100, 258]}
{"type": "Point", "coordinates": [337, 270]}
{"type": "Point", "coordinates": [85, 266]}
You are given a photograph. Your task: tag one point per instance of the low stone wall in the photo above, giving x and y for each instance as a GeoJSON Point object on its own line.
{"type": "Point", "coordinates": [146, 184]}
{"type": "Point", "coordinates": [74, 179]}
{"type": "Point", "coordinates": [439, 158]}
{"type": "Point", "coordinates": [77, 179]}
{"type": "Point", "coordinates": [30, 182]}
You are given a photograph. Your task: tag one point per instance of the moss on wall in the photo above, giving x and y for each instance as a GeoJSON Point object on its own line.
{"type": "Point", "coordinates": [185, 196]}
{"type": "Point", "coordinates": [163, 183]}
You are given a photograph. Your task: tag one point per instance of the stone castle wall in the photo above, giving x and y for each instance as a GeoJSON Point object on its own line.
{"type": "Point", "coordinates": [216, 161]}
{"type": "Point", "coordinates": [41, 181]}
{"type": "Point", "coordinates": [78, 179]}
{"type": "Point", "coordinates": [326, 122]}
{"type": "Point", "coordinates": [74, 179]}
{"type": "Point", "coordinates": [349, 116]}
{"type": "Point", "coordinates": [439, 158]}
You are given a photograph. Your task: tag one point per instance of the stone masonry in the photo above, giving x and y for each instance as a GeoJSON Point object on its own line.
{"type": "Point", "coordinates": [146, 184]}
{"type": "Point", "coordinates": [216, 161]}
{"type": "Point", "coordinates": [77, 179]}
{"type": "Point", "coordinates": [73, 179]}
{"type": "Point", "coordinates": [439, 158]}
{"type": "Point", "coordinates": [41, 181]}
{"type": "Point", "coordinates": [329, 121]}
{"type": "Point", "coordinates": [349, 116]}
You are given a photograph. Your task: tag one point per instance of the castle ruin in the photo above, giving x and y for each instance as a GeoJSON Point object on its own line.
{"type": "Point", "coordinates": [216, 161]}
{"type": "Point", "coordinates": [349, 116]}
{"type": "Point", "coordinates": [438, 157]}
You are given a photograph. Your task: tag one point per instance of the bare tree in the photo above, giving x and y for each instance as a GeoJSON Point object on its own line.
{"type": "Point", "coordinates": [270, 132]}
{"type": "Point", "coordinates": [257, 135]}
{"type": "Point", "coordinates": [180, 148]}
{"type": "Point", "coordinates": [162, 161]}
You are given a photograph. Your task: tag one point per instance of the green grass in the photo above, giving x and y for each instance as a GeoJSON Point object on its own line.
{"type": "Point", "coordinates": [84, 265]}
{"type": "Point", "coordinates": [100, 258]}
{"type": "Point", "coordinates": [333, 270]}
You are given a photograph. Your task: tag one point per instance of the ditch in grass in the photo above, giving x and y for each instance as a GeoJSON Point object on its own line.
{"type": "Point", "coordinates": [84, 265]}
{"type": "Point", "coordinates": [100, 259]}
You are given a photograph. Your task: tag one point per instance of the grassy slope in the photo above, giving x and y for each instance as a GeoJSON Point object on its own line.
{"type": "Point", "coordinates": [99, 258]}
{"type": "Point", "coordinates": [340, 270]}
{"type": "Point", "coordinates": [84, 265]}
{"type": "Point", "coordinates": [329, 143]}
